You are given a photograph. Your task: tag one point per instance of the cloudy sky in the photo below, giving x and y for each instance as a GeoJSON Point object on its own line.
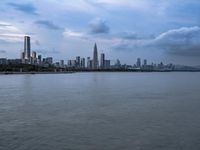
{"type": "Point", "coordinates": [157, 30]}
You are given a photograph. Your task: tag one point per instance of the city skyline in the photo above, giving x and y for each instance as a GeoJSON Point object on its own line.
{"type": "Point", "coordinates": [97, 62]}
{"type": "Point", "coordinates": [125, 30]}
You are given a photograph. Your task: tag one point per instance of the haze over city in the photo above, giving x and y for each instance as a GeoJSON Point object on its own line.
{"type": "Point", "coordinates": [161, 30]}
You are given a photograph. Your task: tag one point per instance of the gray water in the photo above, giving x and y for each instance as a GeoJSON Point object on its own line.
{"type": "Point", "coordinates": [100, 111]}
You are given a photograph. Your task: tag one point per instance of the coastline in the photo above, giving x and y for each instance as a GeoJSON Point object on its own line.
{"type": "Point", "coordinates": [32, 73]}
{"type": "Point", "coordinates": [82, 71]}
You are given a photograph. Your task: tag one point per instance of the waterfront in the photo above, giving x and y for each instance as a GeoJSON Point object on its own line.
{"type": "Point", "coordinates": [97, 111]}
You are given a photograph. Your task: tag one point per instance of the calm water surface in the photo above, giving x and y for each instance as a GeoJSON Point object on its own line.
{"type": "Point", "coordinates": [100, 111]}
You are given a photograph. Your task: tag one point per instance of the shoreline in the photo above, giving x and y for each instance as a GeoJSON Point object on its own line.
{"type": "Point", "coordinates": [32, 73]}
{"type": "Point", "coordinates": [70, 72]}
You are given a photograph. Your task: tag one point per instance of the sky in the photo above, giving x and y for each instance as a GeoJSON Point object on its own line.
{"type": "Point", "coordinates": [156, 30]}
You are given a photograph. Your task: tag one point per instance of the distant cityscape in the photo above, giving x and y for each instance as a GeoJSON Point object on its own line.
{"type": "Point", "coordinates": [94, 63]}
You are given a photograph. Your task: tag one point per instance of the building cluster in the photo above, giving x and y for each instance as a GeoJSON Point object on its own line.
{"type": "Point", "coordinates": [79, 63]}
{"type": "Point", "coordinates": [93, 63]}
{"type": "Point", "coordinates": [27, 58]}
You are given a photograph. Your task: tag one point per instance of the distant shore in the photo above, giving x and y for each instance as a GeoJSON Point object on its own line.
{"type": "Point", "coordinates": [21, 73]}
{"type": "Point", "coordinates": [78, 71]}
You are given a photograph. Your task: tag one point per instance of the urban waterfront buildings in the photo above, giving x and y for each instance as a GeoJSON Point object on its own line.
{"type": "Point", "coordinates": [27, 48]}
{"type": "Point", "coordinates": [138, 63]}
{"type": "Point", "coordinates": [95, 58]}
{"type": "Point", "coordinates": [79, 63]}
{"type": "Point", "coordinates": [102, 61]}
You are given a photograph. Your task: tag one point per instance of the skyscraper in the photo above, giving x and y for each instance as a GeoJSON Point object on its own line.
{"type": "Point", "coordinates": [82, 62]}
{"type": "Point", "coordinates": [34, 58]}
{"type": "Point", "coordinates": [27, 48]}
{"type": "Point", "coordinates": [78, 61]}
{"type": "Point", "coordinates": [145, 62]}
{"type": "Point", "coordinates": [95, 58]}
{"type": "Point", "coordinates": [138, 63]}
{"type": "Point", "coordinates": [102, 61]}
{"type": "Point", "coordinates": [89, 63]}
{"type": "Point", "coordinates": [39, 59]}
{"type": "Point", "coordinates": [107, 64]}
{"type": "Point", "coordinates": [62, 63]}
{"type": "Point", "coordinates": [34, 55]}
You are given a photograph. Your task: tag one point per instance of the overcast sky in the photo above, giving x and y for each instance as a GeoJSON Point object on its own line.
{"type": "Point", "coordinates": [156, 30]}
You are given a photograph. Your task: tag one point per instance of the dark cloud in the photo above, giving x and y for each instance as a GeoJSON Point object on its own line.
{"type": "Point", "coordinates": [48, 24]}
{"type": "Point", "coordinates": [98, 26]}
{"type": "Point", "coordinates": [183, 41]}
{"type": "Point", "coordinates": [27, 8]}
{"type": "Point", "coordinates": [2, 51]}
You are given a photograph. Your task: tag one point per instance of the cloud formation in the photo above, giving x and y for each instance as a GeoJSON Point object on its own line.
{"type": "Point", "coordinates": [10, 33]}
{"type": "Point", "coordinates": [98, 26]}
{"type": "Point", "coordinates": [4, 25]}
{"type": "Point", "coordinates": [183, 41]}
{"type": "Point", "coordinates": [73, 34]}
{"type": "Point", "coordinates": [27, 8]}
{"type": "Point", "coordinates": [126, 25]}
{"type": "Point", "coordinates": [47, 24]}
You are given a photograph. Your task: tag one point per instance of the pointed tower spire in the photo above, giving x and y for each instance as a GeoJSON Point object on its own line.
{"type": "Point", "coordinates": [95, 57]}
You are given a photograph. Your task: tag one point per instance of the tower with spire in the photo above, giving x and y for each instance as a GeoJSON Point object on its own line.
{"type": "Point", "coordinates": [95, 58]}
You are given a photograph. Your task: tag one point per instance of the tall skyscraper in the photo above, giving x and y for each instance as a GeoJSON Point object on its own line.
{"type": "Point", "coordinates": [82, 62]}
{"type": "Point", "coordinates": [95, 58]}
{"type": "Point", "coordinates": [39, 59]}
{"type": "Point", "coordinates": [27, 47]}
{"type": "Point", "coordinates": [138, 63]}
{"type": "Point", "coordinates": [107, 64]}
{"type": "Point", "coordinates": [34, 55]}
{"type": "Point", "coordinates": [102, 61]}
{"type": "Point", "coordinates": [62, 63]}
{"type": "Point", "coordinates": [34, 58]}
{"type": "Point", "coordinates": [89, 63]}
{"type": "Point", "coordinates": [117, 63]}
{"type": "Point", "coordinates": [145, 62]}
{"type": "Point", "coordinates": [78, 61]}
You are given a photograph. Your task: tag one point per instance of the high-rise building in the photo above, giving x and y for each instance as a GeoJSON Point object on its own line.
{"type": "Point", "coordinates": [39, 59]}
{"type": "Point", "coordinates": [78, 61]}
{"type": "Point", "coordinates": [145, 62]}
{"type": "Point", "coordinates": [102, 61]}
{"type": "Point", "coordinates": [27, 47]}
{"type": "Point", "coordinates": [49, 60]}
{"type": "Point", "coordinates": [138, 64]}
{"type": "Point", "coordinates": [22, 55]}
{"type": "Point", "coordinates": [34, 55]}
{"type": "Point", "coordinates": [34, 58]}
{"type": "Point", "coordinates": [117, 63]}
{"type": "Point", "coordinates": [107, 64]}
{"type": "Point", "coordinates": [95, 58]}
{"type": "Point", "coordinates": [89, 64]}
{"type": "Point", "coordinates": [62, 63]}
{"type": "Point", "coordinates": [71, 63]}
{"type": "Point", "coordinates": [82, 62]}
